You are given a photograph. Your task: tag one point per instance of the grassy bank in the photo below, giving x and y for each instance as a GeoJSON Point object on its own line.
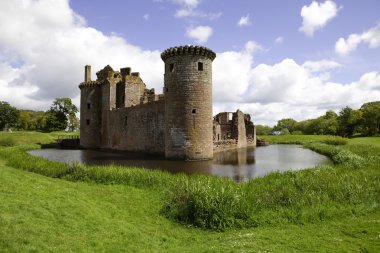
{"type": "Point", "coordinates": [117, 209]}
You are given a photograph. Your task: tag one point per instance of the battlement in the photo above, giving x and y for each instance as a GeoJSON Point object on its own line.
{"type": "Point", "coordinates": [188, 50]}
{"type": "Point", "coordinates": [89, 84]}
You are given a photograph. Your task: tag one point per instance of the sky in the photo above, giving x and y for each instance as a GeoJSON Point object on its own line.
{"type": "Point", "coordinates": [275, 59]}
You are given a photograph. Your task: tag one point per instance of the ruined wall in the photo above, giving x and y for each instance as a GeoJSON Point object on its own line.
{"type": "Point", "coordinates": [134, 89]}
{"type": "Point", "coordinates": [238, 129]}
{"type": "Point", "coordinates": [188, 96]}
{"type": "Point", "coordinates": [139, 128]}
{"type": "Point", "coordinates": [225, 123]}
{"type": "Point", "coordinates": [217, 136]}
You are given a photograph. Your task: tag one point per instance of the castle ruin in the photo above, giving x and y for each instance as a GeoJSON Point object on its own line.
{"type": "Point", "coordinates": [118, 112]}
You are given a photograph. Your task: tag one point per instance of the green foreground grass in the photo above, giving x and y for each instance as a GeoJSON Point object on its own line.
{"type": "Point", "coordinates": [114, 209]}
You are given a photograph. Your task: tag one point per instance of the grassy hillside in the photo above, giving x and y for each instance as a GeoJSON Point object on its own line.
{"type": "Point", "coordinates": [117, 209]}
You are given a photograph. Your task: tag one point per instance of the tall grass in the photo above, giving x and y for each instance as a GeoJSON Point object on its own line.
{"type": "Point", "coordinates": [112, 174]}
{"type": "Point", "coordinates": [350, 187]}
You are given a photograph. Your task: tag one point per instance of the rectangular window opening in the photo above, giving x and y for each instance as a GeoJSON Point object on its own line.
{"type": "Point", "coordinates": [87, 122]}
{"type": "Point", "coordinates": [200, 66]}
{"type": "Point", "coordinates": [194, 111]}
{"type": "Point", "coordinates": [88, 106]}
{"type": "Point", "coordinates": [126, 121]}
{"type": "Point", "coordinates": [171, 67]}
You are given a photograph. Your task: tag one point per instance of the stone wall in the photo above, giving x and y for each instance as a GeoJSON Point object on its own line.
{"type": "Point", "coordinates": [238, 129]}
{"type": "Point", "coordinates": [139, 128]}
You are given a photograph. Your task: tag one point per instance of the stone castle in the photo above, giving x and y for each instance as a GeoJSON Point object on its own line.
{"type": "Point", "coordinates": [118, 112]}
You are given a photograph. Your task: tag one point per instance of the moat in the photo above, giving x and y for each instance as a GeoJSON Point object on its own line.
{"type": "Point", "coordinates": [240, 164]}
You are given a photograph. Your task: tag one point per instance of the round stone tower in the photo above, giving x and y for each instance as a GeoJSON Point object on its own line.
{"type": "Point", "coordinates": [188, 102]}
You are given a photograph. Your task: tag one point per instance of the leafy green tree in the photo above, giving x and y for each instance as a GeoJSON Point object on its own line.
{"type": "Point", "coordinates": [371, 118]}
{"type": "Point", "coordinates": [8, 115]}
{"type": "Point", "coordinates": [55, 121]}
{"type": "Point", "coordinates": [263, 130]}
{"type": "Point", "coordinates": [289, 124]}
{"type": "Point", "coordinates": [327, 124]}
{"type": "Point", "coordinates": [31, 120]}
{"type": "Point", "coordinates": [61, 115]}
{"type": "Point", "coordinates": [349, 121]}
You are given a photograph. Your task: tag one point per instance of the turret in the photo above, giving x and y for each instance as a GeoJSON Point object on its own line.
{"type": "Point", "coordinates": [188, 102]}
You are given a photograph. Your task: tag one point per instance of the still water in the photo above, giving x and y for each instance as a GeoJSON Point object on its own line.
{"type": "Point", "coordinates": [239, 165]}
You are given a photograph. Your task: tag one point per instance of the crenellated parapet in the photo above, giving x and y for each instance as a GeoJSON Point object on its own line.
{"type": "Point", "coordinates": [188, 50]}
{"type": "Point", "coordinates": [89, 84]}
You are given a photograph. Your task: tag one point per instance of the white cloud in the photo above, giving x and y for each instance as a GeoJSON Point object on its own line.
{"type": "Point", "coordinates": [187, 3]}
{"type": "Point", "coordinates": [371, 37]}
{"type": "Point", "coordinates": [316, 15]}
{"type": "Point", "coordinates": [201, 34]}
{"type": "Point", "coordinates": [285, 89]}
{"type": "Point", "coordinates": [304, 91]}
{"type": "Point", "coordinates": [183, 13]}
{"type": "Point", "coordinates": [231, 73]}
{"type": "Point", "coordinates": [244, 21]}
{"type": "Point", "coordinates": [318, 66]}
{"type": "Point", "coordinates": [146, 17]}
{"type": "Point", "coordinates": [188, 9]}
{"type": "Point", "coordinates": [279, 40]}
{"type": "Point", "coordinates": [252, 47]}
{"type": "Point", "coordinates": [48, 45]}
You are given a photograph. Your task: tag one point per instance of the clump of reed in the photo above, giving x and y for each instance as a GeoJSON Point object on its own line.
{"type": "Point", "coordinates": [7, 142]}
{"type": "Point", "coordinates": [335, 140]}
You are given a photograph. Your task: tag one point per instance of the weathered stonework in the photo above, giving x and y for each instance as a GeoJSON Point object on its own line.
{"type": "Point", "coordinates": [119, 112]}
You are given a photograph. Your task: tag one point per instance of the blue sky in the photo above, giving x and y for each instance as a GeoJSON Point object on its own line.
{"type": "Point", "coordinates": [275, 58]}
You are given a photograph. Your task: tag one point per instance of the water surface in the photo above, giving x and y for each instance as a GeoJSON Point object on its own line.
{"type": "Point", "coordinates": [240, 164]}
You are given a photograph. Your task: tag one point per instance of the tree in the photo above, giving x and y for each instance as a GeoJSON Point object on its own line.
{"type": "Point", "coordinates": [263, 130]}
{"type": "Point", "coordinates": [31, 120]}
{"type": "Point", "coordinates": [61, 115]}
{"type": "Point", "coordinates": [371, 118]}
{"type": "Point", "coordinates": [326, 124]}
{"type": "Point", "coordinates": [349, 121]}
{"type": "Point", "coordinates": [8, 115]}
{"type": "Point", "coordinates": [55, 121]}
{"type": "Point", "coordinates": [288, 123]}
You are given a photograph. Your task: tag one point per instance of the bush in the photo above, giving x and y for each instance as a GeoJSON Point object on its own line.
{"type": "Point", "coordinates": [7, 142]}
{"type": "Point", "coordinates": [335, 140]}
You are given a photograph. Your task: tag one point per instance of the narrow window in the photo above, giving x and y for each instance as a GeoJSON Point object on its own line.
{"type": "Point", "coordinates": [200, 66]}
{"type": "Point", "coordinates": [88, 106]}
{"type": "Point", "coordinates": [194, 111]}
{"type": "Point", "coordinates": [166, 90]}
{"type": "Point", "coordinates": [87, 122]}
{"type": "Point", "coordinates": [126, 121]}
{"type": "Point", "coordinates": [171, 67]}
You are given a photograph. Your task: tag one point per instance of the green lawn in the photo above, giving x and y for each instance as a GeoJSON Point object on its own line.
{"type": "Point", "coordinates": [43, 214]}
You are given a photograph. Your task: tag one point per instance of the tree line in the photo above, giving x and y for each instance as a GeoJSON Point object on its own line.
{"type": "Point", "coordinates": [60, 116]}
{"type": "Point", "coordinates": [364, 121]}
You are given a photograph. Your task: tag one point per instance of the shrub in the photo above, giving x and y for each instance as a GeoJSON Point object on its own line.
{"type": "Point", "coordinates": [335, 140]}
{"type": "Point", "coordinates": [7, 142]}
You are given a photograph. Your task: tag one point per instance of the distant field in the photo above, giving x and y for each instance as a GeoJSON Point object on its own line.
{"type": "Point", "coordinates": [114, 209]}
